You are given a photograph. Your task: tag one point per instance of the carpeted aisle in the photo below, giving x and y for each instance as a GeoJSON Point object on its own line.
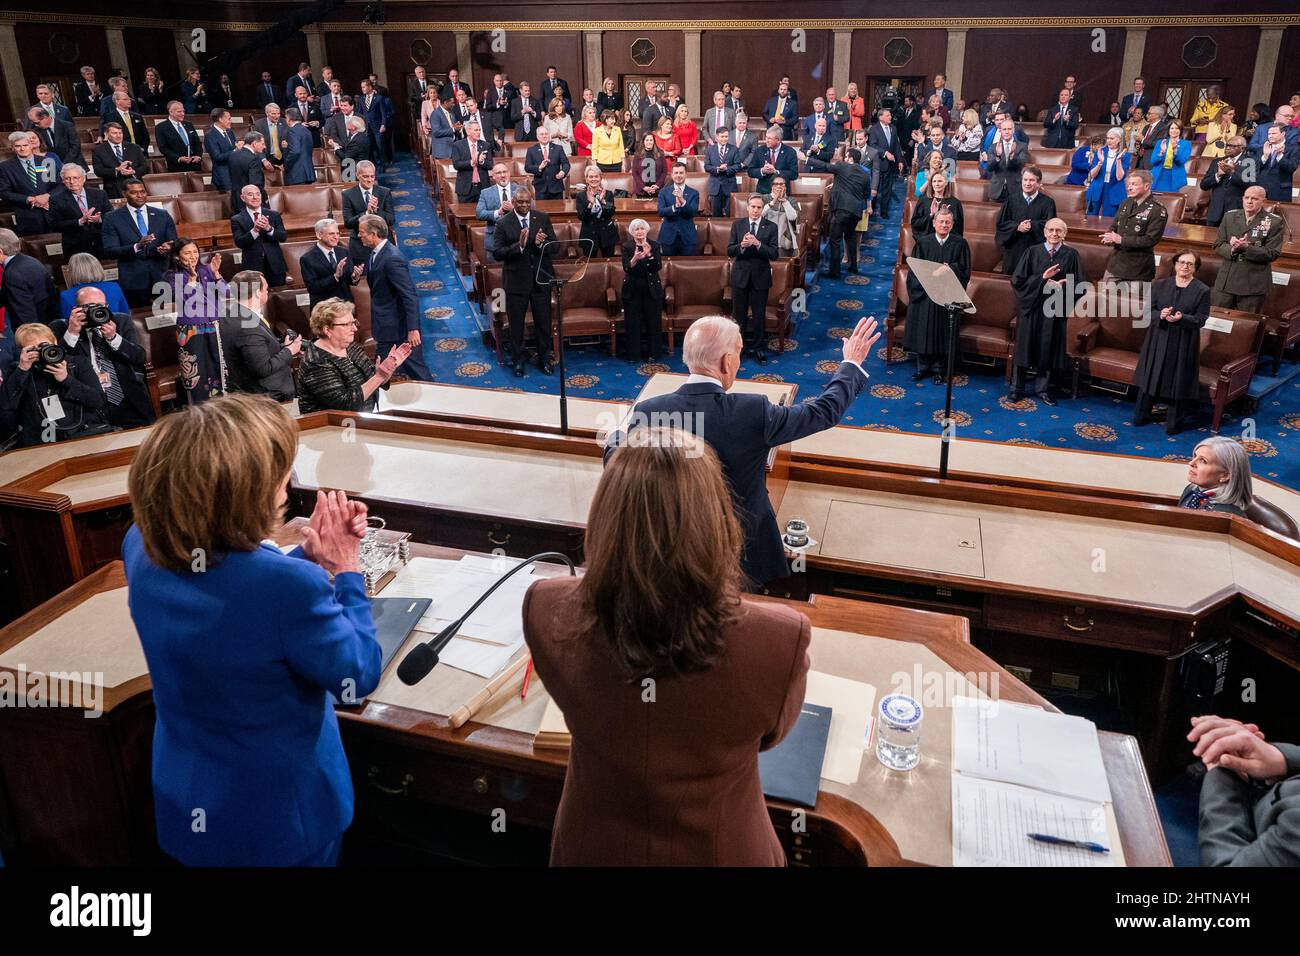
{"type": "Point", "coordinates": [1096, 421]}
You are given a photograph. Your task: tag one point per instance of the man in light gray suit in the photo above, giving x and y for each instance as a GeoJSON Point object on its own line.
{"type": "Point", "coordinates": [718, 117]}
{"type": "Point", "coordinates": [493, 202]}
{"type": "Point", "coordinates": [1250, 799]}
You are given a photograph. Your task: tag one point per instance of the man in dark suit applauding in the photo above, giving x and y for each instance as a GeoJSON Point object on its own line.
{"type": "Point", "coordinates": [752, 247]}
{"type": "Point", "coordinates": [742, 427]}
{"type": "Point", "coordinates": [782, 111]}
{"type": "Point", "coordinates": [77, 211]}
{"type": "Point", "coordinates": [1061, 122]}
{"type": "Point", "coordinates": [132, 122]}
{"type": "Point", "coordinates": [548, 164]}
{"type": "Point", "coordinates": [366, 198]}
{"type": "Point", "coordinates": [26, 183]}
{"type": "Point", "coordinates": [883, 138]}
{"type": "Point", "coordinates": [87, 92]}
{"type": "Point", "coordinates": [518, 243]}
{"type": "Point", "coordinates": [772, 159]}
{"type": "Point", "coordinates": [722, 163]}
{"type": "Point", "coordinates": [259, 231]}
{"type": "Point", "coordinates": [394, 306]}
{"type": "Point", "coordinates": [219, 142]}
{"type": "Point", "coordinates": [327, 270]}
{"type": "Point", "coordinates": [140, 238]}
{"type": "Point", "coordinates": [117, 162]}
{"type": "Point", "coordinates": [679, 204]}
{"type": "Point", "coordinates": [472, 157]}
{"type": "Point", "coordinates": [525, 114]}
{"type": "Point", "coordinates": [178, 141]}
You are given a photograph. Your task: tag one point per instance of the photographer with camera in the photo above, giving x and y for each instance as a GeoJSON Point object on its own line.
{"type": "Point", "coordinates": [51, 395]}
{"type": "Point", "coordinates": [108, 343]}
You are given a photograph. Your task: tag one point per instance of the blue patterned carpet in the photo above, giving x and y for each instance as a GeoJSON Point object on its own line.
{"type": "Point", "coordinates": [456, 354]}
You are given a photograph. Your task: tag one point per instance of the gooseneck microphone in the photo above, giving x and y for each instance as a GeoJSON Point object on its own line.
{"type": "Point", "coordinates": [423, 658]}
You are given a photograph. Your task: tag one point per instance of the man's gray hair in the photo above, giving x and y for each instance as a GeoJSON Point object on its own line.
{"type": "Point", "coordinates": [375, 224]}
{"type": "Point", "coordinates": [707, 340]}
{"type": "Point", "coordinates": [253, 136]}
{"type": "Point", "coordinates": [637, 224]}
{"type": "Point", "coordinates": [270, 106]}
{"type": "Point", "coordinates": [10, 244]}
{"type": "Point", "coordinates": [174, 103]}
{"type": "Point", "coordinates": [17, 136]}
{"type": "Point", "coordinates": [365, 164]}
{"type": "Point", "coordinates": [72, 168]}
{"type": "Point", "coordinates": [1160, 110]}
{"type": "Point", "coordinates": [322, 225]}
{"type": "Point", "coordinates": [1232, 458]}
{"type": "Point", "coordinates": [356, 123]}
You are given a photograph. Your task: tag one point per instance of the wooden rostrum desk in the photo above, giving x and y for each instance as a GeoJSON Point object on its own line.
{"type": "Point", "coordinates": [77, 790]}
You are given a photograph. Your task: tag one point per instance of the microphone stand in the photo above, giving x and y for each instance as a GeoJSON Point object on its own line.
{"type": "Point", "coordinates": [423, 658]}
{"type": "Point", "coordinates": [556, 282]}
{"type": "Point", "coordinates": [946, 439]}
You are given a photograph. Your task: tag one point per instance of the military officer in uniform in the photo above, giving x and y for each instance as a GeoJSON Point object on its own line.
{"type": "Point", "coordinates": [1249, 240]}
{"type": "Point", "coordinates": [1139, 224]}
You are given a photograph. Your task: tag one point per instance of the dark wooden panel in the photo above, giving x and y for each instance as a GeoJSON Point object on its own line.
{"type": "Point", "coordinates": [526, 57]}
{"type": "Point", "coordinates": [670, 59]}
{"type": "Point", "coordinates": [929, 55]}
{"type": "Point", "coordinates": [1043, 59]}
{"type": "Point", "coordinates": [1287, 80]}
{"type": "Point", "coordinates": [756, 59]}
{"type": "Point", "coordinates": [1084, 624]}
{"type": "Point", "coordinates": [146, 47]}
{"type": "Point", "coordinates": [281, 60]}
{"type": "Point", "coordinates": [41, 45]}
{"type": "Point", "coordinates": [1235, 63]}
{"type": "Point", "coordinates": [349, 55]}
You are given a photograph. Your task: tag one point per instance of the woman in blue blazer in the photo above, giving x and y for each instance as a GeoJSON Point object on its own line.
{"type": "Point", "coordinates": [1106, 177]}
{"type": "Point", "coordinates": [244, 643]}
{"type": "Point", "coordinates": [1169, 161]}
{"type": "Point", "coordinates": [1081, 161]}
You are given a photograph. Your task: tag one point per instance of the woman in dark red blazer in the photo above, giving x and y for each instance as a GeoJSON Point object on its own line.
{"type": "Point", "coordinates": [670, 681]}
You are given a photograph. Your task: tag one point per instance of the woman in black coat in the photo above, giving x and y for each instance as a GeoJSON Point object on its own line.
{"type": "Point", "coordinates": [938, 192]}
{"type": "Point", "coordinates": [1169, 365]}
{"type": "Point", "coordinates": [927, 324]}
{"type": "Point", "coordinates": [595, 206]}
{"type": "Point", "coordinates": [643, 294]}
{"type": "Point", "coordinates": [66, 394]}
{"type": "Point", "coordinates": [609, 98]}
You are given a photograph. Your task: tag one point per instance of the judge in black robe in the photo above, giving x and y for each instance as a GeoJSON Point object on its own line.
{"type": "Point", "coordinates": [923, 213]}
{"type": "Point", "coordinates": [1048, 282]}
{"type": "Point", "coordinates": [1023, 206]}
{"type": "Point", "coordinates": [927, 324]}
{"type": "Point", "coordinates": [1170, 362]}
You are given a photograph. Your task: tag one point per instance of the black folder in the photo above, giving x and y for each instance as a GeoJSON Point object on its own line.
{"type": "Point", "coordinates": [395, 618]}
{"type": "Point", "coordinates": [792, 770]}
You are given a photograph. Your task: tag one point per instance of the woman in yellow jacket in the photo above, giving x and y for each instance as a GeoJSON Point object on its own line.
{"type": "Point", "coordinates": [1217, 133]}
{"type": "Point", "coordinates": [607, 144]}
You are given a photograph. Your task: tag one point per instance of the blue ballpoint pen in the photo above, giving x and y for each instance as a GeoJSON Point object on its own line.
{"type": "Point", "coordinates": [1062, 841]}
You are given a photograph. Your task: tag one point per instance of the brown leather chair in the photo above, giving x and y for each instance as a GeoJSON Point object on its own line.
{"type": "Point", "coordinates": [361, 303]}
{"type": "Point", "coordinates": [309, 200]}
{"type": "Point", "coordinates": [719, 236]}
{"type": "Point", "coordinates": [163, 354]}
{"type": "Point", "coordinates": [194, 181]}
{"type": "Point", "coordinates": [590, 304]}
{"type": "Point", "coordinates": [335, 201]}
{"type": "Point", "coordinates": [578, 169]}
{"type": "Point", "coordinates": [203, 207]}
{"type": "Point", "coordinates": [1174, 204]}
{"type": "Point", "coordinates": [621, 181]}
{"type": "Point", "coordinates": [896, 316]}
{"type": "Point", "coordinates": [479, 259]}
{"type": "Point", "coordinates": [1069, 199]}
{"type": "Point", "coordinates": [972, 190]}
{"type": "Point", "coordinates": [991, 331]}
{"type": "Point", "coordinates": [1270, 516]}
{"type": "Point", "coordinates": [968, 169]}
{"type": "Point", "coordinates": [693, 288]}
{"type": "Point", "coordinates": [777, 316]}
{"type": "Point", "coordinates": [1043, 156]}
{"type": "Point", "coordinates": [274, 177]}
{"type": "Point", "coordinates": [290, 308]}
{"type": "Point", "coordinates": [164, 184]}
{"type": "Point", "coordinates": [653, 221]}
{"type": "Point", "coordinates": [293, 253]}
{"type": "Point", "coordinates": [1290, 212]}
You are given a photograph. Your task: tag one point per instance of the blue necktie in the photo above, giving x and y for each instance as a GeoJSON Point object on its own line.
{"type": "Point", "coordinates": [141, 223]}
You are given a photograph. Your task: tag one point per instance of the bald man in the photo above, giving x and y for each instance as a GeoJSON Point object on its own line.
{"type": "Point", "coordinates": [1248, 241]}
{"type": "Point", "coordinates": [741, 427]}
{"type": "Point", "coordinates": [112, 349]}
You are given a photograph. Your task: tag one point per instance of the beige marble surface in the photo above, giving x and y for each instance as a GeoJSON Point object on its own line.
{"type": "Point", "coordinates": [92, 486]}
{"type": "Point", "coordinates": [1088, 470]}
{"type": "Point", "coordinates": [512, 482]}
{"type": "Point", "coordinates": [520, 408]}
{"type": "Point", "coordinates": [97, 637]}
{"type": "Point", "coordinates": [23, 461]}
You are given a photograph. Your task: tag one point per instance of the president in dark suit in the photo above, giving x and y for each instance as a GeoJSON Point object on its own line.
{"type": "Point", "coordinates": [518, 242]}
{"type": "Point", "coordinates": [394, 306]}
{"type": "Point", "coordinates": [752, 248]}
{"type": "Point", "coordinates": [77, 211]}
{"type": "Point", "coordinates": [367, 197]}
{"type": "Point", "coordinates": [140, 238]}
{"type": "Point", "coordinates": [741, 428]}
{"type": "Point", "coordinates": [259, 230]}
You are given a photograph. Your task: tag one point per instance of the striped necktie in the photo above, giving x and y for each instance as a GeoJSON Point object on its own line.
{"type": "Point", "coordinates": [102, 352]}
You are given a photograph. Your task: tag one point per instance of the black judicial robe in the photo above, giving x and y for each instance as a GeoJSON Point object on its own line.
{"type": "Point", "coordinates": [1170, 362]}
{"type": "Point", "coordinates": [1040, 337]}
{"type": "Point", "coordinates": [923, 221]}
{"type": "Point", "coordinates": [927, 323]}
{"type": "Point", "coordinates": [1013, 242]}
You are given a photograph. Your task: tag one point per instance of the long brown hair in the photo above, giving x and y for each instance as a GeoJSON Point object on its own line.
{"type": "Point", "coordinates": [663, 555]}
{"type": "Point", "coordinates": [206, 479]}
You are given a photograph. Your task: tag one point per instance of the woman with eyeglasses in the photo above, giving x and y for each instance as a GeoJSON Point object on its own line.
{"type": "Point", "coordinates": [335, 372]}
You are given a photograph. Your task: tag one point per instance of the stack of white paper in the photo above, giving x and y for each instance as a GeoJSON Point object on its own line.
{"type": "Point", "coordinates": [1019, 770]}
{"type": "Point", "coordinates": [487, 640]}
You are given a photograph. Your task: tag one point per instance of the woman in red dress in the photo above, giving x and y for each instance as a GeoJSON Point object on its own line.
{"type": "Point", "coordinates": [666, 139]}
{"type": "Point", "coordinates": [687, 132]}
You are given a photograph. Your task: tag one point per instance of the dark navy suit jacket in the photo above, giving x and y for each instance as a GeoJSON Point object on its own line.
{"type": "Point", "coordinates": [394, 307]}
{"type": "Point", "coordinates": [741, 428]}
{"type": "Point", "coordinates": [245, 726]}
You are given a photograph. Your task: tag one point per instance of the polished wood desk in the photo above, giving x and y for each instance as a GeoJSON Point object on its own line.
{"type": "Point", "coordinates": [216, 234]}
{"type": "Point", "coordinates": [79, 789]}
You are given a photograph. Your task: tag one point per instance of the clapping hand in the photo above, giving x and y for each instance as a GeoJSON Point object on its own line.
{"type": "Point", "coordinates": [341, 268]}
{"type": "Point", "coordinates": [858, 345]}
{"type": "Point", "coordinates": [1024, 225]}
{"type": "Point", "coordinates": [262, 223]}
{"type": "Point", "coordinates": [541, 238]}
{"type": "Point", "coordinates": [393, 359]}
{"type": "Point", "coordinates": [333, 537]}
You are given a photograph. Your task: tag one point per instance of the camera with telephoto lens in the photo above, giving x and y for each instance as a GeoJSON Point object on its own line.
{"type": "Point", "coordinates": [97, 314]}
{"type": "Point", "coordinates": [47, 355]}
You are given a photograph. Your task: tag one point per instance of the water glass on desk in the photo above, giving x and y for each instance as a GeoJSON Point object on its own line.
{"type": "Point", "coordinates": [898, 732]}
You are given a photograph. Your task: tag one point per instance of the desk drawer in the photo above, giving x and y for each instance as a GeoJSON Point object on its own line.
{"type": "Point", "coordinates": [1081, 623]}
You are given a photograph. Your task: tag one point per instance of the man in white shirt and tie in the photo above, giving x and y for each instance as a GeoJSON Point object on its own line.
{"type": "Point", "coordinates": [495, 201]}
{"type": "Point", "coordinates": [78, 213]}
{"type": "Point", "coordinates": [327, 270]}
{"type": "Point", "coordinates": [718, 117]}
{"type": "Point", "coordinates": [178, 141]}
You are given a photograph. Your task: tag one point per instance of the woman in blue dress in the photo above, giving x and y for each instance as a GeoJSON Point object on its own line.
{"type": "Point", "coordinates": [1082, 159]}
{"type": "Point", "coordinates": [1106, 177]}
{"type": "Point", "coordinates": [1169, 161]}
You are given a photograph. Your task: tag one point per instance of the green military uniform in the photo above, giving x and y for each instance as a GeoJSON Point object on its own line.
{"type": "Point", "coordinates": [1140, 225]}
{"type": "Point", "coordinates": [1245, 274]}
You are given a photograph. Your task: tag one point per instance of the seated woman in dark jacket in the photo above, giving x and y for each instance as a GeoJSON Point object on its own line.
{"type": "Point", "coordinates": [335, 371]}
{"type": "Point", "coordinates": [50, 402]}
{"type": "Point", "coordinates": [1219, 476]}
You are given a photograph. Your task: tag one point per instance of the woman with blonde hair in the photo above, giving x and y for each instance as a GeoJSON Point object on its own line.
{"type": "Point", "coordinates": [559, 125]}
{"type": "Point", "coordinates": [247, 648]}
{"type": "Point", "coordinates": [85, 270]}
{"type": "Point", "coordinates": [666, 139]}
{"type": "Point", "coordinates": [584, 132]}
{"type": "Point", "coordinates": [151, 97]}
{"type": "Point", "coordinates": [688, 134]}
{"type": "Point", "coordinates": [335, 371]}
{"type": "Point", "coordinates": [784, 212]}
{"type": "Point", "coordinates": [607, 144]}
{"type": "Point", "coordinates": [968, 137]}
{"type": "Point", "coordinates": [660, 611]}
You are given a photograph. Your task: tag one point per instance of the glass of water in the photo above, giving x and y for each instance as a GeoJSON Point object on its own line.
{"type": "Point", "coordinates": [898, 732]}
